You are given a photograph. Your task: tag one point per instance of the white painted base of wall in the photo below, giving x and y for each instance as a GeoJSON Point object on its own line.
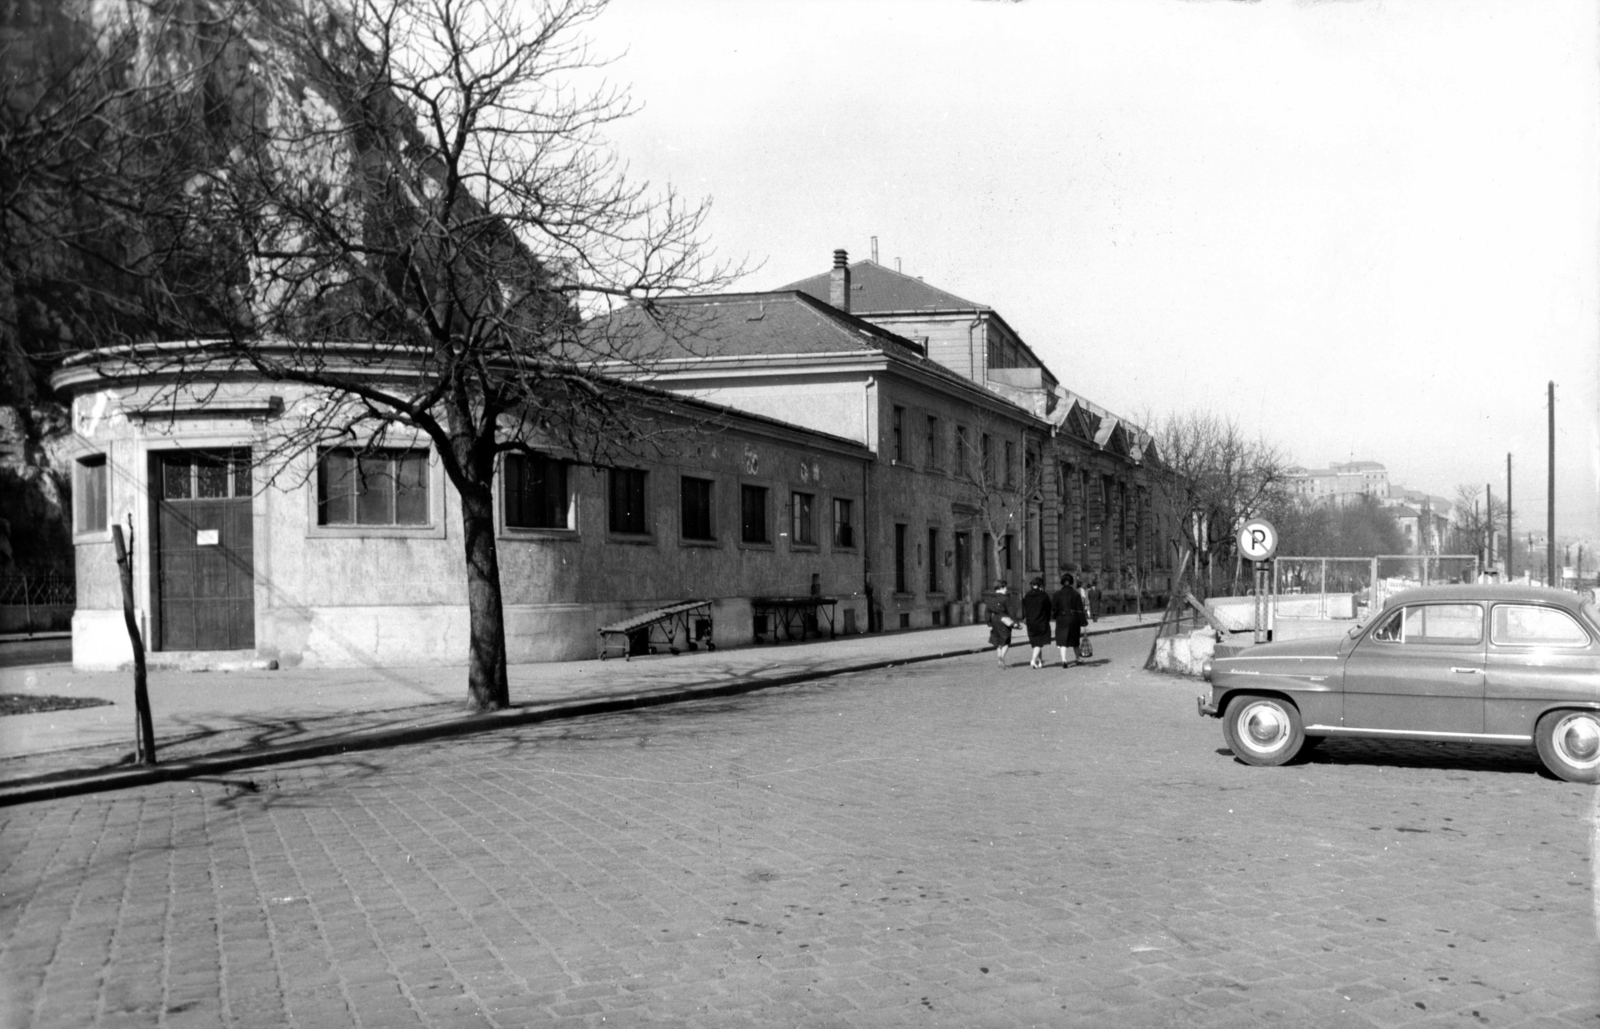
{"type": "Point", "coordinates": [415, 635]}
{"type": "Point", "coordinates": [100, 639]}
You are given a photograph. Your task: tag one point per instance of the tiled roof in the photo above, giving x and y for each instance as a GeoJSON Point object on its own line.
{"type": "Point", "coordinates": [744, 324]}
{"type": "Point", "coordinates": [875, 289]}
{"type": "Point", "coordinates": [759, 324]}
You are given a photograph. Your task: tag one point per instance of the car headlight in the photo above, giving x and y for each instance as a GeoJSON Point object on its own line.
{"type": "Point", "coordinates": [1205, 670]}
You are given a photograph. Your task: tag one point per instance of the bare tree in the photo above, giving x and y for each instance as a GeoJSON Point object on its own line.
{"type": "Point", "coordinates": [1217, 479]}
{"type": "Point", "coordinates": [1474, 523]}
{"type": "Point", "coordinates": [1001, 479]}
{"type": "Point", "coordinates": [407, 206]}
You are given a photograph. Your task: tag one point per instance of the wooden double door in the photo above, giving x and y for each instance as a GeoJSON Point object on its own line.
{"type": "Point", "coordinates": [203, 554]}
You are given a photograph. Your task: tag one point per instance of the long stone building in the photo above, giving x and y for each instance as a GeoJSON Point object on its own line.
{"type": "Point", "coordinates": [859, 436]}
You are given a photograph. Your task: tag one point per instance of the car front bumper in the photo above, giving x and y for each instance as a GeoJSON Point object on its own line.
{"type": "Point", "coordinates": [1206, 708]}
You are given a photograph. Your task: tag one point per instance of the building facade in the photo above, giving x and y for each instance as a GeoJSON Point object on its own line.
{"type": "Point", "coordinates": [1340, 483]}
{"type": "Point", "coordinates": [350, 555]}
{"type": "Point", "coordinates": [899, 464]}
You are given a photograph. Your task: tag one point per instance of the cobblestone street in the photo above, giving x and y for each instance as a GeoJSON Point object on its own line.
{"type": "Point", "coordinates": [943, 845]}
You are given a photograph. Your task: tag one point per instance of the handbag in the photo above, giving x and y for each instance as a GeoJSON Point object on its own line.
{"type": "Point", "coordinates": [1085, 649]}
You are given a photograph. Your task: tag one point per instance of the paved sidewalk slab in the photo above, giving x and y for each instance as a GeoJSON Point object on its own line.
{"type": "Point", "coordinates": [213, 721]}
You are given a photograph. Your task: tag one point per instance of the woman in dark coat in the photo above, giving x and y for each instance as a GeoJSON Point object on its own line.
{"type": "Point", "coordinates": [1003, 615]}
{"type": "Point", "coordinates": [1036, 619]}
{"type": "Point", "coordinates": [1070, 619]}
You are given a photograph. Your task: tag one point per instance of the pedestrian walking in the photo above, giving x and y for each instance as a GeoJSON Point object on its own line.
{"type": "Point", "coordinates": [1089, 593]}
{"type": "Point", "coordinates": [1036, 611]}
{"type": "Point", "coordinates": [1003, 616]}
{"type": "Point", "coordinates": [1071, 617]}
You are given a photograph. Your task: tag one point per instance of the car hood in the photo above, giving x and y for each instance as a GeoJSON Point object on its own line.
{"type": "Point", "coordinates": [1285, 654]}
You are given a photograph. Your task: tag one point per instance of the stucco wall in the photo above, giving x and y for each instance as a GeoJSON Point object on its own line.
{"type": "Point", "coordinates": [336, 596]}
{"type": "Point", "coordinates": [823, 403]}
{"type": "Point", "coordinates": [921, 495]}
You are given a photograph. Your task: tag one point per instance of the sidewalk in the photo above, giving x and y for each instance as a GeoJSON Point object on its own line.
{"type": "Point", "coordinates": [209, 722]}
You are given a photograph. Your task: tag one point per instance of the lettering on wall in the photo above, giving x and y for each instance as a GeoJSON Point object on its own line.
{"type": "Point", "coordinates": [752, 461]}
{"type": "Point", "coordinates": [810, 471]}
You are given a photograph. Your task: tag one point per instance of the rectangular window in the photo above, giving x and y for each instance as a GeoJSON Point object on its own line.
{"type": "Point", "coordinates": [962, 445]}
{"type": "Point", "coordinates": [986, 460]}
{"type": "Point", "coordinates": [366, 487]}
{"type": "Point", "coordinates": [844, 533]}
{"type": "Point", "coordinates": [91, 488]}
{"type": "Point", "coordinates": [1011, 464]}
{"type": "Point", "coordinates": [899, 434]}
{"type": "Point", "coordinates": [900, 559]}
{"type": "Point", "coordinates": [753, 515]}
{"type": "Point", "coordinates": [933, 442]}
{"type": "Point", "coordinates": [205, 474]}
{"type": "Point", "coordinates": [1524, 625]}
{"type": "Point", "coordinates": [533, 493]}
{"type": "Point", "coordinates": [1432, 623]}
{"type": "Point", "coordinates": [696, 505]}
{"type": "Point", "coordinates": [1035, 540]}
{"type": "Point", "coordinates": [629, 515]}
{"type": "Point", "coordinates": [933, 560]}
{"type": "Point", "coordinates": [803, 523]}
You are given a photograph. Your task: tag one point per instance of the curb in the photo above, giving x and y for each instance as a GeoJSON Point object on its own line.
{"type": "Point", "coordinates": [466, 725]}
{"type": "Point", "coordinates": [28, 637]}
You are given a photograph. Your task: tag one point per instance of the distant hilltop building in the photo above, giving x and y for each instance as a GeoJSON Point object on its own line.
{"type": "Point", "coordinates": [1420, 515]}
{"type": "Point", "coordinates": [1341, 483]}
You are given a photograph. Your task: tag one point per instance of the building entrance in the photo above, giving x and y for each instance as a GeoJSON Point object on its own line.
{"type": "Point", "coordinates": [203, 552]}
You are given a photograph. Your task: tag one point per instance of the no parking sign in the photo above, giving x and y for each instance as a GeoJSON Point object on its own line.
{"type": "Point", "coordinates": [1258, 539]}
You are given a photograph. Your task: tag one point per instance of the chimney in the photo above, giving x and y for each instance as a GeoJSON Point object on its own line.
{"type": "Point", "coordinates": [839, 281]}
{"type": "Point", "coordinates": [874, 249]}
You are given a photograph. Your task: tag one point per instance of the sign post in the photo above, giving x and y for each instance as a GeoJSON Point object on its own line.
{"type": "Point", "coordinates": [1258, 541]}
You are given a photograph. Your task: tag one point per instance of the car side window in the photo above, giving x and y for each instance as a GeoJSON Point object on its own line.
{"type": "Point", "coordinates": [1450, 623]}
{"type": "Point", "coordinates": [1432, 623]}
{"type": "Point", "coordinates": [1527, 625]}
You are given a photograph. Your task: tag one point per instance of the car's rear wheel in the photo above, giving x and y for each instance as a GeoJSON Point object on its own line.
{"type": "Point", "coordinates": [1262, 730]}
{"type": "Point", "coordinates": [1569, 744]}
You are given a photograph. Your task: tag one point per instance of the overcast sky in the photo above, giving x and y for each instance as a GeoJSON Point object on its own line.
{"type": "Point", "coordinates": [1365, 229]}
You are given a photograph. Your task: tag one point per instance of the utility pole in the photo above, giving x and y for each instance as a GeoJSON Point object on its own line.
{"type": "Point", "coordinates": [1550, 514]}
{"type": "Point", "coordinates": [1488, 524]}
{"type": "Point", "coordinates": [1510, 548]}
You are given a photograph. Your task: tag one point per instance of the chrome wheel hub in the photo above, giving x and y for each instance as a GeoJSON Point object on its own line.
{"type": "Point", "coordinates": [1577, 739]}
{"type": "Point", "coordinates": [1264, 727]}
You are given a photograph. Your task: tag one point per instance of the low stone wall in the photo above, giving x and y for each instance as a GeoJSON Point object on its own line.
{"type": "Point", "coordinates": [1239, 613]}
{"type": "Point", "coordinates": [19, 618]}
{"type": "Point", "coordinates": [1185, 654]}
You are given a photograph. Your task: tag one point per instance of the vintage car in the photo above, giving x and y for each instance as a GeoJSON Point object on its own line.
{"type": "Point", "coordinates": [1506, 665]}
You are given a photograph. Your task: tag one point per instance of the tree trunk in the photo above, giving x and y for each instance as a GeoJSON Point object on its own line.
{"type": "Point", "coordinates": [486, 669]}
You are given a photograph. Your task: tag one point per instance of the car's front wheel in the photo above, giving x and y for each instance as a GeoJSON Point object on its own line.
{"type": "Point", "coordinates": [1569, 744]}
{"type": "Point", "coordinates": [1262, 730]}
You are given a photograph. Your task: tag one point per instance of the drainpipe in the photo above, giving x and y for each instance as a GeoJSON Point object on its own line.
{"type": "Point", "coordinates": [869, 425]}
{"type": "Point", "coordinates": [866, 550]}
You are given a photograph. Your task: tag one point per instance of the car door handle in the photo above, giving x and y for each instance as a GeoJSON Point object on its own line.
{"type": "Point", "coordinates": [1467, 670]}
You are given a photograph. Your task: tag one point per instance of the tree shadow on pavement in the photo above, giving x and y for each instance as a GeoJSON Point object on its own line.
{"type": "Point", "coordinates": [291, 787]}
